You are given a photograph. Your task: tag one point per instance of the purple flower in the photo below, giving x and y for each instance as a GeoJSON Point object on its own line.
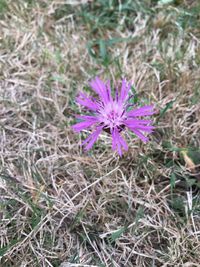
{"type": "Point", "coordinates": [112, 115]}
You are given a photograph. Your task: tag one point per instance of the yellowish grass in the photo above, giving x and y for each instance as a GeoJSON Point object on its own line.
{"type": "Point", "coordinates": [60, 206]}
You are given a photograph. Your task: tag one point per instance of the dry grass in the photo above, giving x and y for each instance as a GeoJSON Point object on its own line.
{"type": "Point", "coordinates": [63, 207]}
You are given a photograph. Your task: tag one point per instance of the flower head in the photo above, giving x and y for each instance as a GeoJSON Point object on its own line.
{"type": "Point", "coordinates": [112, 115]}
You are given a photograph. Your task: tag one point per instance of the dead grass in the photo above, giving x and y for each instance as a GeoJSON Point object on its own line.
{"type": "Point", "coordinates": [62, 207]}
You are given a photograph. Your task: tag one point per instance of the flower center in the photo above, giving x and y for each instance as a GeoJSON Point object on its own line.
{"type": "Point", "coordinates": [112, 115]}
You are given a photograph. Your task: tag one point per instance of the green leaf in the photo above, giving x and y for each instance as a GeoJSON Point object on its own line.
{"type": "Point", "coordinates": [194, 155]}
{"type": "Point", "coordinates": [98, 49]}
{"type": "Point", "coordinates": [169, 105]}
{"type": "Point", "coordinates": [191, 181]}
{"type": "Point", "coordinates": [172, 180]}
{"type": "Point", "coordinates": [3, 6]}
{"type": "Point", "coordinates": [117, 234]}
{"type": "Point", "coordinates": [59, 79]}
{"type": "Point", "coordinates": [4, 249]}
{"type": "Point", "coordinates": [102, 48]}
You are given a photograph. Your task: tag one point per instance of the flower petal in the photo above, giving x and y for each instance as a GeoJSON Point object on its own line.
{"type": "Point", "coordinates": [87, 117]}
{"type": "Point", "coordinates": [124, 91]}
{"type": "Point", "coordinates": [141, 125]}
{"type": "Point", "coordinates": [143, 111]}
{"type": "Point", "coordinates": [140, 135]}
{"type": "Point", "coordinates": [134, 122]}
{"type": "Point", "coordinates": [100, 88]}
{"type": "Point", "coordinates": [91, 139]}
{"type": "Point", "coordinates": [118, 142]}
{"type": "Point", "coordinates": [148, 129]}
{"type": "Point", "coordinates": [87, 102]}
{"type": "Point", "coordinates": [83, 125]}
{"type": "Point", "coordinates": [109, 92]}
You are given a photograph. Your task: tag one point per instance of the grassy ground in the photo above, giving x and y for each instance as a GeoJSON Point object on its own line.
{"type": "Point", "coordinates": [60, 206]}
